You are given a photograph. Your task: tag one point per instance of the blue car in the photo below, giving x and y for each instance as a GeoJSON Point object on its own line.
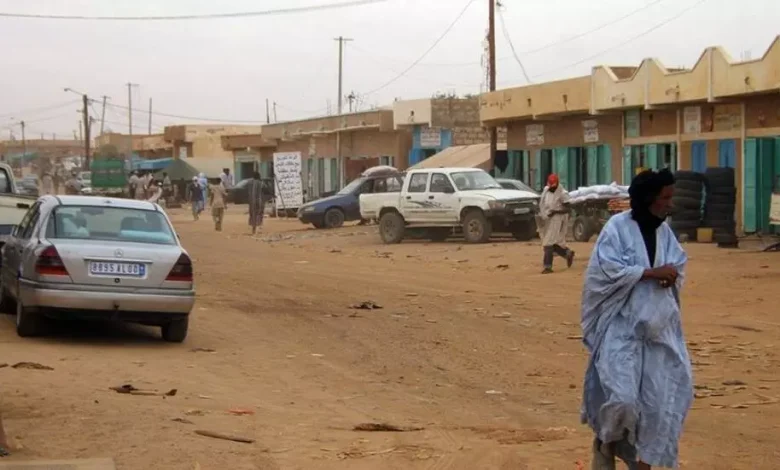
{"type": "Point", "coordinates": [344, 206]}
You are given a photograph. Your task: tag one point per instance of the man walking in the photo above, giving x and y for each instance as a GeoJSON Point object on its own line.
{"type": "Point", "coordinates": [227, 178]}
{"type": "Point", "coordinates": [256, 195]}
{"type": "Point", "coordinates": [195, 197]}
{"type": "Point", "coordinates": [218, 196]}
{"type": "Point", "coordinates": [553, 223]}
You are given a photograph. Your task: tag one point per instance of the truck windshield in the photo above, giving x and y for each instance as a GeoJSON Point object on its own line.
{"type": "Point", "coordinates": [474, 180]}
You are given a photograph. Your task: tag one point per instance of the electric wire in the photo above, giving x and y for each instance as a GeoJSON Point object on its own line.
{"type": "Point", "coordinates": [511, 45]}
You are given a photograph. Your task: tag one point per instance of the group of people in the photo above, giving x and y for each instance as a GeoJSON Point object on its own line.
{"type": "Point", "coordinates": [145, 187]}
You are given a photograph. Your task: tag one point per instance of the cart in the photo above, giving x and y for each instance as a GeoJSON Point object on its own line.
{"type": "Point", "coordinates": [590, 215]}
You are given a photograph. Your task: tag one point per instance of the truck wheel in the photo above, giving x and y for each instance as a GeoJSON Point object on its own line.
{"type": "Point", "coordinates": [582, 229]}
{"type": "Point", "coordinates": [524, 232]}
{"type": "Point", "coordinates": [476, 227]}
{"type": "Point", "coordinates": [392, 227]}
{"type": "Point", "coordinates": [334, 218]}
{"type": "Point", "coordinates": [176, 330]}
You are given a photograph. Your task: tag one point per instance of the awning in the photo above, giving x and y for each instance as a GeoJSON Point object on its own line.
{"type": "Point", "coordinates": [461, 156]}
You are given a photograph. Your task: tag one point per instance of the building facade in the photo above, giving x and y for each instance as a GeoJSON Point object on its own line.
{"type": "Point", "coordinates": [603, 127]}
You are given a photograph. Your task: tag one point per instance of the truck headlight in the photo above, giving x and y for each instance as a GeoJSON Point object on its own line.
{"type": "Point", "coordinates": [308, 209]}
{"type": "Point", "coordinates": [496, 205]}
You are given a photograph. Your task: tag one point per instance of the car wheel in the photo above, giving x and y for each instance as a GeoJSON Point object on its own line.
{"type": "Point", "coordinates": [476, 227]}
{"type": "Point", "coordinates": [176, 330]}
{"type": "Point", "coordinates": [582, 229]}
{"type": "Point", "coordinates": [7, 304]}
{"type": "Point", "coordinates": [334, 218]}
{"type": "Point", "coordinates": [29, 322]}
{"type": "Point", "coordinates": [318, 225]}
{"type": "Point", "coordinates": [392, 227]}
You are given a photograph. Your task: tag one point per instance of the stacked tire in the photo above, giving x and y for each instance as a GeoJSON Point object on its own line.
{"type": "Point", "coordinates": [688, 201]}
{"type": "Point", "coordinates": [720, 205]}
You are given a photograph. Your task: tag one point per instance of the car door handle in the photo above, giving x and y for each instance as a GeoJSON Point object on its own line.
{"type": "Point", "coordinates": [430, 197]}
{"type": "Point", "coordinates": [408, 197]}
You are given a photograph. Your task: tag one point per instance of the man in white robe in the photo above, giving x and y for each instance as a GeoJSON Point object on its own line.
{"type": "Point", "coordinates": [553, 223]}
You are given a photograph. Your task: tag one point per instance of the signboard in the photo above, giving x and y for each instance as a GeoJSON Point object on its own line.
{"type": "Point", "coordinates": [430, 137]}
{"type": "Point", "coordinates": [534, 134]}
{"type": "Point", "coordinates": [692, 120]}
{"type": "Point", "coordinates": [183, 152]}
{"type": "Point", "coordinates": [774, 209]}
{"type": "Point", "coordinates": [727, 117]}
{"type": "Point", "coordinates": [287, 178]}
{"type": "Point", "coordinates": [590, 131]}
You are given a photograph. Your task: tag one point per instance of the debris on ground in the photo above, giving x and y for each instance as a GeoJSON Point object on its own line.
{"type": "Point", "coordinates": [574, 337]}
{"type": "Point", "coordinates": [129, 389]}
{"type": "Point", "coordinates": [502, 315]}
{"type": "Point", "coordinates": [502, 266]}
{"type": "Point", "coordinates": [226, 437]}
{"type": "Point", "coordinates": [31, 366]}
{"type": "Point", "coordinates": [240, 412]}
{"type": "Point", "coordinates": [182, 420]}
{"type": "Point", "coordinates": [493, 392]}
{"type": "Point", "coordinates": [384, 427]}
{"type": "Point", "coordinates": [4, 364]}
{"type": "Point", "coordinates": [194, 412]}
{"type": "Point", "coordinates": [731, 383]}
{"type": "Point", "coordinates": [335, 250]}
{"type": "Point", "coordinates": [356, 454]}
{"type": "Point", "coordinates": [205, 350]}
{"type": "Point", "coordinates": [367, 305]}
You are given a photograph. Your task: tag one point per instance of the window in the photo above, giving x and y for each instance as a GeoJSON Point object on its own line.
{"type": "Point", "coordinates": [5, 185]}
{"type": "Point", "coordinates": [387, 161]}
{"type": "Point", "coordinates": [508, 185]}
{"type": "Point", "coordinates": [26, 220]}
{"type": "Point", "coordinates": [440, 183]}
{"type": "Point", "coordinates": [474, 180]}
{"type": "Point", "coordinates": [109, 223]}
{"type": "Point", "coordinates": [390, 184]}
{"type": "Point", "coordinates": [418, 182]}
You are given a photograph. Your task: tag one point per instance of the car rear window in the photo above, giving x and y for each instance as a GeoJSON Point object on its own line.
{"type": "Point", "coordinates": [109, 223]}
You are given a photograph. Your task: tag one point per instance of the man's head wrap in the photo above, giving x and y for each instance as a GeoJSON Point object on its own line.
{"type": "Point", "coordinates": [647, 185]}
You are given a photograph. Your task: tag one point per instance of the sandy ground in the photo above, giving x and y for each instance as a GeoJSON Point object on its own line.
{"type": "Point", "coordinates": [473, 345]}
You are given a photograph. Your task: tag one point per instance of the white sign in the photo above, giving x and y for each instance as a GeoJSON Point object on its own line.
{"type": "Point", "coordinates": [183, 152]}
{"type": "Point", "coordinates": [590, 131]}
{"type": "Point", "coordinates": [287, 176]}
{"type": "Point", "coordinates": [534, 134]}
{"type": "Point", "coordinates": [430, 137]}
{"type": "Point", "coordinates": [774, 210]}
{"type": "Point", "coordinates": [692, 120]}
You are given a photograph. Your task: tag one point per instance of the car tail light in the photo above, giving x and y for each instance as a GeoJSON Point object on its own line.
{"type": "Point", "coordinates": [50, 264]}
{"type": "Point", "coordinates": [182, 270]}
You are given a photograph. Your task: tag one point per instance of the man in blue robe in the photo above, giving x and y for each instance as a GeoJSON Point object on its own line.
{"type": "Point", "coordinates": [638, 384]}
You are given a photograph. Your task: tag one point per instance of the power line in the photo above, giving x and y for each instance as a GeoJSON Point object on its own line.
{"type": "Point", "coordinates": [206, 16]}
{"type": "Point", "coordinates": [41, 109]}
{"type": "Point", "coordinates": [627, 41]}
{"type": "Point", "coordinates": [192, 118]}
{"type": "Point", "coordinates": [428, 51]}
{"type": "Point", "coordinates": [511, 45]}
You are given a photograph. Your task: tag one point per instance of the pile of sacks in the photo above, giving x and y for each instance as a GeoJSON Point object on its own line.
{"type": "Point", "coordinates": [599, 191]}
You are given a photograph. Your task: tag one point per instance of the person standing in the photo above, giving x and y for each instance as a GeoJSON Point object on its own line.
{"type": "Point", "coordinates": [638, 384]}
{"type": "Point", "coordinates": [227, 179]}
{"type": "Point", "coordinates": [47, 184]}
{"type": "Point", "coordinates": [256, 194]}
{"type": "Point", "coordinates": [73, 185]}
{"type": "Point", "coordinates": [218, 197]}
{"type": "Point", "coordinates": [553, 223]}
{"type": "Point", "coordinates": [167, 188]}
{"type": "Point", "coordinates": [195, 197]}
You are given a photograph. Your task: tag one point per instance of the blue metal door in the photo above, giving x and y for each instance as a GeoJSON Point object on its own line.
{"type": "Point", "coordinates": [727, 153]}
{"type": "Point", "coordinates": [699, 156]}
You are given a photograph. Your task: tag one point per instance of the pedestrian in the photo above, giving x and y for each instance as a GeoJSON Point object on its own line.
{"type": "Point", "coordinates": [47, 184]}
{"type": "Point", "coordinates": [227, 178]}
{"type": "Point", "coordinates": [257, 196]}
{"type": "Point", "coordinates": [638, 383]}
{"type": "Point", "coordinates": [167, 188]}
{"type": "Point", "coordinates": [553, 223]}
{"type": "Point", "coordinates": [155, 192]}
{"type": "Point", "coordinates": [73, 185]}
{"type": "Point", "coordinates": [218, 198]}
{"type": "Point", "coordinates": [196, 197]}
{"type": "Point", "coordinates": [132, 182]}
{"type": "Point", "coordinates": [141, 187]}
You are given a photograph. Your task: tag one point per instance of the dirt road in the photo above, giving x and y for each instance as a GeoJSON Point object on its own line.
{"type": "Point", "coordinates": [472, 344]}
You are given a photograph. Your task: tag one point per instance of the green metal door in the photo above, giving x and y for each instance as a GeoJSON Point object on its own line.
{"type": "Point", "coordinates": [651, 156]}
{"type": "Point", "coordinates": [628, 169]}
{"type": "Point", "coordinates": [538, 169]}
{"type": "Point", "coordinates": [605, 164]}
{"type": "Point", "coordinates": [749, 189]}
{"type": "Point", "coordinates": [526, 167]}
{"type": "Point", "coordinates": [561, 165]}
{"type": "Point", "coordinates": [593, 165]}
{"type": "Point", "coordinates": [334, 173]}
{"type": "Point", "coordinates": [766, 173]}
{"type": "Point", "coordinates": [675, 159]}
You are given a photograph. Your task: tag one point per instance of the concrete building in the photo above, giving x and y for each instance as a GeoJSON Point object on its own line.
{"type": "Point", "coordinates": [58, 148]}
{"type": "Point", "coordinates": [251, 152]}
{"type": "Point", "coordinates": [203, 140]}
{"type": "Point", "coordinates": [602, 127]}
{"type": "Point", "coordinates": [366, 139]}
{"type": "Point", "coordinates": [145, 146]}
{"type": "Point", "coordinates": [440, 123]}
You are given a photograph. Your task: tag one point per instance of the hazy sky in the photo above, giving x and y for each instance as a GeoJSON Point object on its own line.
{"type": "Point", "coordinates": [227, 68]}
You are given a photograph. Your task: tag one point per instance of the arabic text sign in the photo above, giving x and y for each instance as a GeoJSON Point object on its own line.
{"type": "Point", "coordinates": [287, 173]}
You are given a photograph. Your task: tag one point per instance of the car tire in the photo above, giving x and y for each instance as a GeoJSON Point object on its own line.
{"type": "Point", "coordinates": [688, 185]}
{"type": "Point", "coordinates": [687, 203]}
{"type": "Point", "coordinates": [176, 330]}
{"type": "Point", "coordinates": [7, 303]}
{"type": "Point", "coordinates": [318, 225]}
{"type": "Point", "coordinates": [392, 227]}
{"type": "Point", "coordinates": [476, 227]}
{"type": "Point", "coordinates": [29, 322]}
{"type": "Point", "coordinates": [582, 230]}
{"type": "Point", "coordinates": [334, 218]}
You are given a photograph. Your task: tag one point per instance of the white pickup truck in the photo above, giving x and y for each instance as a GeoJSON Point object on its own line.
{"type": "Point", "coordinates": [13, 206]}
{"type": "Point", "coordinates": [438, 201]}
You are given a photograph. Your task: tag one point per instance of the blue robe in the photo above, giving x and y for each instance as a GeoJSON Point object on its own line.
{"type": "Point", "coordinates": [638, 384]}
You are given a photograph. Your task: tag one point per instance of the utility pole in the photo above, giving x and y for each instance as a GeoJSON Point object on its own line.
{"type": "Point", "coordinates": [81, 131]}
{"type": "Point", "coordinates": [275, 112]}
{"type": "Point", "coordinates": [342, 40]}
{"type": "Point", "coordinates": [267, 112]}
{"type": "Point", "coordinates": [130, 113]}
{"type": "Point", "coordinates": [150, 116]}
{"type": "Point", "coordinates": [492, 76]}
{"type": "Point", "coordinates": [103, 115]}
{"type": "Point", "coordinates": [86, 118]}
{"type": "Point", "coordinates": [24, 139]}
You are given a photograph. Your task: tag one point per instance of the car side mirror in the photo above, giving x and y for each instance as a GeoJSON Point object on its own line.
{"type": "Point", "coordinates": [449, 190]}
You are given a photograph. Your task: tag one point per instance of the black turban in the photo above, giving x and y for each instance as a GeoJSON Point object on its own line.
{"type": "Point", "coordinates": [647, 185]}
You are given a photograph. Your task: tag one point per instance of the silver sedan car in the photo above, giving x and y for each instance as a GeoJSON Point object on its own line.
{"type": "Point", "coordinates": [99, 258]}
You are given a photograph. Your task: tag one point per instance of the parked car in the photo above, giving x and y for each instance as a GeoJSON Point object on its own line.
{"type": "Point", "coordinates": [14, 201]}
{"type": "Point", "coordinates": [79, 256]}
{"type": "Point", "coordinates": [28, 186]}
{"type": "Point", "coordinates": [442, 200]}
{"type": "Point", "coordinates": [344, 206]}
{"type": "Point", "coordinates": [239, 193]}
{"type": "Point", "coordinates": [85, 178]}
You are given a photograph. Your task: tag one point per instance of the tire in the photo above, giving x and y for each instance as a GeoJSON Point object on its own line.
{"type": "Point", "coordinates": [725, 190]}
{"type": "Point", "coordinates": [438, 234]}
{"type": "Point", "coordinates": [524, 232]}
{"type": "Point", "coordinates": [29, 322]}
{"type": "Point", "coordinates": [685, 175]}
{"type": "Point", "coordinates": [687, 194]}
{"type": "Point", "coordinates": [683, 225]}
{"type": "Point", "coordinates": [582, 229]}
{"type": "Point", "coordinates": [692, 186]}
{"type": "Point", "coordinates": [720, 176]}
{"type": "Point", "coordinates": [392, 227]}
{"type": "Point", "coordinates": [686, 216]}
{"type": "Point", "coordinates": [318, 225]}
{"type": "Point", "coordinates": [476, 227]}
{"type": "Point", "coordinates": [721, 199]}
{"type": "Point", "coordinates": [721, 209]}
{"type": "Point", "coordinates": [7, 303]}
{"type": "Point", "coordinates": [687, 203]}
{"type": "Point", "coordinates": [176, 330]}
{"type": "Point", "coordinates": [334, 218]}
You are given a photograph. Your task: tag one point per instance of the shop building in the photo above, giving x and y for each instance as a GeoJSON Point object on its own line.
{"type": "Point", "coordinates": [251, 152]}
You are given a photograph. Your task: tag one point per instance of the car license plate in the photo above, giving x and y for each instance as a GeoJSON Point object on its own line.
{"type": "Point", "coordinates": [102, 268]}
{"type": "Point", "coordinates": [522, 210]}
